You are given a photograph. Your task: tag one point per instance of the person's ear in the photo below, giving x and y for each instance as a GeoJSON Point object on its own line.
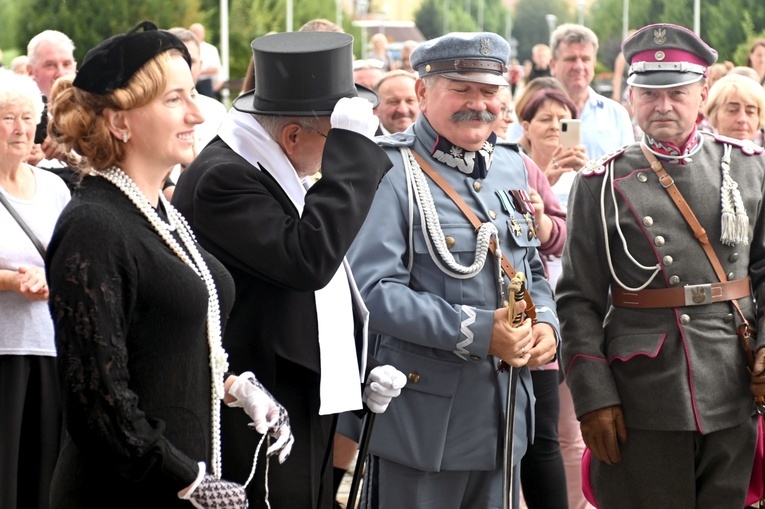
{"type": "Point", "coordinates": [289, 137]}
{"type": "Point", "coordinates": [421, 90]}
{"type": "Point", "coordinates": [117, 123]}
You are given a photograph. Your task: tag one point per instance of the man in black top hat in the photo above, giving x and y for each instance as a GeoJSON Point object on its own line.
{"type": "Point", "coordinates": [657, 373]}
{"type": "Point", "coordinates": [296, 318]}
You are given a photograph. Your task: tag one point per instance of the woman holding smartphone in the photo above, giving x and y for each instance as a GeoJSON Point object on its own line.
{"type": "Point", "coordinates": [541, 120]}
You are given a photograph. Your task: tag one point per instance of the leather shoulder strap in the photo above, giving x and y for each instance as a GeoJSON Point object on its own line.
{"type": "Point", "coordinates": [15, 215]}
{"type": "Point", "coordinates": [698, 231]}
{"type": "Point", "coordinates": [507, 268]}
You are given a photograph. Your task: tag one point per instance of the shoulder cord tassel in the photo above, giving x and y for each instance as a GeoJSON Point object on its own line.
{"type": "Point", "coordinates": [735, 222]}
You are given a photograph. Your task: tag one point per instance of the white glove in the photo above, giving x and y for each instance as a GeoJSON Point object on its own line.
{"type": "Point", "coordinates": [384, 384]}
{"type": "Point", "coordinates": [355, 114]}
{"type": "Point", "coordinates": [216, 493]}
{"type": "Point", "coordinates": [267, 415]}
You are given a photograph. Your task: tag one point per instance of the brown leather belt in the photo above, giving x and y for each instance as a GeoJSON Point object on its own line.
{"type": "Point", "coordinates": [690, 295]}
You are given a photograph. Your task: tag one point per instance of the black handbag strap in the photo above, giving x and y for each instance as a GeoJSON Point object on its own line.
{"type": "Point", "coordinates": [24, 226]}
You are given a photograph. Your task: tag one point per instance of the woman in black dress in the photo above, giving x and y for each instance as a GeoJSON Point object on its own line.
{"type": "Point", "coordinates": [138, 306]}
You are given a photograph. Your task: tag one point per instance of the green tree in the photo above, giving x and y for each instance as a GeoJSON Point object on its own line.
{"type": "Point", "coordinates": [530, 26]}
{"type": "Point", "coordinates": [463, 16]}
{"type": "Point", "coordinates": [725, 24]}
{"type": "Point", "coordinates": [88, 22]}
{"type": "Point", "coordinates": [9, 21]}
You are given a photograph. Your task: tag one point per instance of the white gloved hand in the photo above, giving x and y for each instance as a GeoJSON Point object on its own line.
{"type": "Point", "coordinates": [384, 384]}
{"type": "Point", "coordinates": [268, 416]}
{"type": "Point", "coordinates": [355, 114]}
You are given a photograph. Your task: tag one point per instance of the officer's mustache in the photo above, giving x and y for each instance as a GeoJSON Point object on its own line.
{"type": "Point", "coordinates": [668, 116]}
{"type": "Point", "coordinates": [482, 116]}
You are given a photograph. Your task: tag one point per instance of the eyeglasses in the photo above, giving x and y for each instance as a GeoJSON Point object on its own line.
{"type": "Point", "coordinates": [506, 112]}
{"type": "Point", "coordinates": [312, 128]}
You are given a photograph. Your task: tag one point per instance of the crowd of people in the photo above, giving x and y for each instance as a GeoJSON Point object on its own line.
{"type": "Point", "coordinates": [516, 316]}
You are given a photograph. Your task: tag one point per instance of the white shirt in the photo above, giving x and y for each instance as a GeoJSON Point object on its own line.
{"type": "Point", "coordinates": [27, 328]}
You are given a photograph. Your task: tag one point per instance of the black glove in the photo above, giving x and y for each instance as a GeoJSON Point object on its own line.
{"type": "Point", "coordinates": [602, 431]}
{"type": "Point", "coordinates": [215, 493]}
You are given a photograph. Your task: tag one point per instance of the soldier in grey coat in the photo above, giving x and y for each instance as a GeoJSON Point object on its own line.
{"type": "Point", "coordinates": [433, 292]}
{"type": "Point", "coordinates": [658, 375]}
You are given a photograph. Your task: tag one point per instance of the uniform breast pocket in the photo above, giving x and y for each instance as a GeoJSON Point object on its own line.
{"type": "Point", "coordinates": [521, 232]}
{"type": "Point", "coordinates": [432, 269]}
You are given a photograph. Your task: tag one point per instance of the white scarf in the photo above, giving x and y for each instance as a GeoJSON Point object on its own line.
{"type": "Point", "coordinates": [339, 387]}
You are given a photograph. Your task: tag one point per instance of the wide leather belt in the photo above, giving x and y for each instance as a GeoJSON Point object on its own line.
{"type": "Point", "coordinates": [689, 295]}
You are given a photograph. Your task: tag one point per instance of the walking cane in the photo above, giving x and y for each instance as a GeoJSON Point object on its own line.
{"type": "Point", "coordinates": [518, 286]}
{"type": "Point", "coordinates": [366, 436]}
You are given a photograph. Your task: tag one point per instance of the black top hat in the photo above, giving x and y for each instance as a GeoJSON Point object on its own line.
{"type": "Point", "coordinates": [112, 63]}
{"type": "Point", "coordinates": [302, 74]}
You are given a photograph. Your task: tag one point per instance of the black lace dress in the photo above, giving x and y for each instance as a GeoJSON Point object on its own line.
{"type": "Point", "coordinates": [130, 322]}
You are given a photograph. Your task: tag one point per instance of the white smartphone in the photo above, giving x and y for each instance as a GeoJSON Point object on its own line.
{"type": "Point", "coordinates": [570, 132]}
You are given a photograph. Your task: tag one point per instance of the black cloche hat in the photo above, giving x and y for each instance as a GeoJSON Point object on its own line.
{"type": "Point", "coordinates": [112, 63]}
{"type": "Point", "coordinates": [302, 74]}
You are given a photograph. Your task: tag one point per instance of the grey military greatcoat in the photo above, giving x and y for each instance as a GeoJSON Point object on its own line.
{"type": "Point", "coordinates": [681, 368]}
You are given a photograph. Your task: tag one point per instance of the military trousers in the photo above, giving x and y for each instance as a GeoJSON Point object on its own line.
{"type": "Point", "coordinates": [678, 470]}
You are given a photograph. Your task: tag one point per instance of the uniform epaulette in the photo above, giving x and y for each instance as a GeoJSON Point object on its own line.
{"type": "Point", "coordinates": [748, 147]}
{"type": "Point", "coordinates": [396, 140]}
{"type": "Point", "coordinates": [509, 144]}
{"type": "Point", "coordinates": [598, 166]}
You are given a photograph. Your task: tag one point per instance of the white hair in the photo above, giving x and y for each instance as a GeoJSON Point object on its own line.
{"type": "Point", "coordinates": [52, 36]}
{"type": "Point", "coordinates": [20, 89]}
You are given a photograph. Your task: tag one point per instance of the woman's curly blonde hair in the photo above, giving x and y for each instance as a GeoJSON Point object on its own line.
{"type": "Point", "coordinates": [77, 117]}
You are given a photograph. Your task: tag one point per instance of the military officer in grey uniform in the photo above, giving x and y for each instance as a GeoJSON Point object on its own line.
{"type": "Point", "coordinates": [433, 288]}
{"type": "Point", "coordinates": [658, 375]}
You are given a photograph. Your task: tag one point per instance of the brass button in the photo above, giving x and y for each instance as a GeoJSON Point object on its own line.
{"type": "Point", "coordinates": [685, 319]}
{"type": "Point", "coordinates": [728, 318]}
{"type": "Point", "coordinates": [450, 242]}
{"type": "Point", "coordinates": [731, 276]}
{"type": "Point", "coordinates": [642, 177]}
{"type": "Point", "coordinates": [659, 240]}
{"type": "Point", "coordinates": [477, 186]}
{"type": "Point", "coordinates": [648, 221]}
{"type": "Point", "coordinates": [674, 280]}
{"type": "Point", "coordinates": [734, 257]}
{"type": "Point", "coordinates": [413, 377]}
{"type": "Point", "coordinates": [492, 214]}
{"type": "Point", "coordinates": [475, 357]}
{"type": "Point", "coordinates": [668, 260]}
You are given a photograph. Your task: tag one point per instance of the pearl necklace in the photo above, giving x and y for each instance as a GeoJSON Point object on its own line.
{"type": "Point", "coordinates": [218, 356]}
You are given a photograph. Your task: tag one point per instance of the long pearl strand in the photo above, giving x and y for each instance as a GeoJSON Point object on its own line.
{"type": "Point", "coordinates": [218, 356]}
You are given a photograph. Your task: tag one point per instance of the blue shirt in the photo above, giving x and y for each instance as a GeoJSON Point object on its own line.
{"type": "Point", "coordinates": [606, 125]}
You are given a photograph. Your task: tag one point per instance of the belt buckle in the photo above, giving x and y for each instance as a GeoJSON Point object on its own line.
{"type": "Point", "coordinates": [697, 295]}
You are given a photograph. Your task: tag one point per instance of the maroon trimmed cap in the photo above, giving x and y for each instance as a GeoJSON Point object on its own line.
{"type": "Point", "coordinates": [665, 55]}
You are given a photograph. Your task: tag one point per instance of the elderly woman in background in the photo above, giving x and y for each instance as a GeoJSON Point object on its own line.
{"type": "Point", "coordinates": [30, 412]}
{"type": "Point", "coordinates": [736, 108]}
{"type": "Point", "coordinates": [138, 306]}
